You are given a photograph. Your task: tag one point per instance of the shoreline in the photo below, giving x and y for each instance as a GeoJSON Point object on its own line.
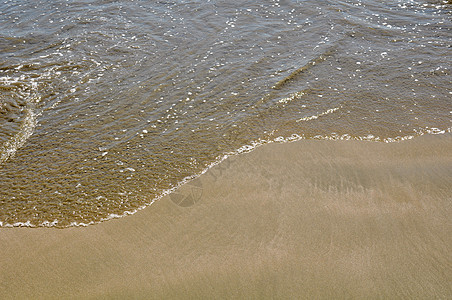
{"type": "Point", "coordinates": [315, 218]}
{"type": "Point", "coordinates": [220, 159]}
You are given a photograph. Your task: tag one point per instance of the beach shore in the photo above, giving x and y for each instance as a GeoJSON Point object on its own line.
{"type": "Point", "coordinates": [308, 219]}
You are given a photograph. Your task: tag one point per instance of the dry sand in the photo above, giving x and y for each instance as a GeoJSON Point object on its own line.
{"type": "Point", "coordinates": [309, 219]}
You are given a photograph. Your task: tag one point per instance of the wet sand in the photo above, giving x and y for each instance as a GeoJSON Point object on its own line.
{"type": "Point", "coordinates": [309, 219]}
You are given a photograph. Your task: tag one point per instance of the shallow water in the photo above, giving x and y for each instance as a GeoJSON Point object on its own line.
{"type": "Point", "coordinates": [107, 105]}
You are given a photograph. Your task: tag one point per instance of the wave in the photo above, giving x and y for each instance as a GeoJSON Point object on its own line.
{"type": "Point", "coordinates": [26, 90]}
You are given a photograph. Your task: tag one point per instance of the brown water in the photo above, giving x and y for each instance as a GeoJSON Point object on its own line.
{"type": "Point", "coordinates": [106, 106]}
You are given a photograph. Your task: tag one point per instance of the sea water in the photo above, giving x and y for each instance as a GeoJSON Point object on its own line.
{"type": "Point", "coordinates": [105, 106]}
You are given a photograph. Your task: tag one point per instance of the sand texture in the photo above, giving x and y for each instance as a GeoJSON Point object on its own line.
{"type": "Point", "coordinates": [309, 219]}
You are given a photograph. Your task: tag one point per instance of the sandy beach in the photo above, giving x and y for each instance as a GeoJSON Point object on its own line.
{"type": "Point", "coordinates": [305, 220]}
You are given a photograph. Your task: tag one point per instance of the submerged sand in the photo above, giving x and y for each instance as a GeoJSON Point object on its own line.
{"type": "Point", "coordinates": [309, 219]}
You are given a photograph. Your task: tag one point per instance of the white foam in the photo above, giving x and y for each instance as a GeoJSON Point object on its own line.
{"type": "Point", "coordinates": [327, 112]}
{"type": "Point", "coordinates": [28, 92]}
{"type": "Point", "coordinates": [292, 97]}
{"type": "Point", "coordinates": [9, 148]}
{"type": "Point", "coordinates": [49, 224]}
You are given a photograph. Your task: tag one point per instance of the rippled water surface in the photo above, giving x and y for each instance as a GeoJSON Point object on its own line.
{"type": "Point", "coordinates": [107, 105]}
